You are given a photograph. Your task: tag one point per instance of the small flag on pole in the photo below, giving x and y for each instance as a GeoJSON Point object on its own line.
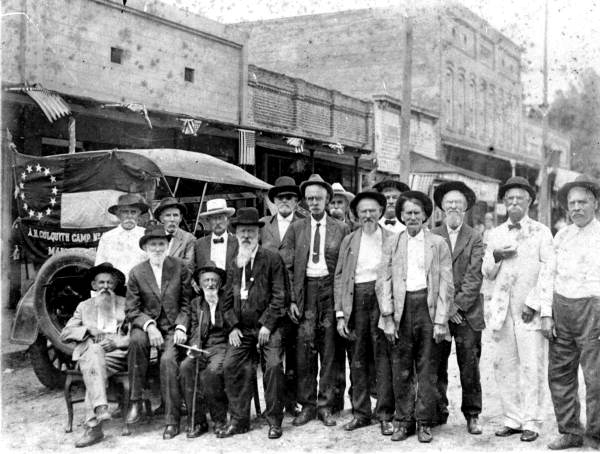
{"type": "Point", "coordinates": [190, 126]}
{"type": "Point", "coordinates": [247, 144]}
{"type": "Point", "coordinates": [297, 143]}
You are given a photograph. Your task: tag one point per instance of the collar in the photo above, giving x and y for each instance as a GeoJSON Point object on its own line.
{"type": "Point", "coordinates": [523, 221]}
{"type": "Point", "coordinates": [157, 266]}
{"type": "Point", "coordinates": [454, 231]}
{"type": "Point", "coordinates": [418, 237]}
{"type": "Point", "coordinates": [216, 237]}
{"type": "Point", "coordinates": [592, 225]}
{"type": "Point", "coordinates": [289, 218]}
{"type": "Point", "coordinates": [313, 222]}
{"type": "Point", "coordinates": [376, 234]}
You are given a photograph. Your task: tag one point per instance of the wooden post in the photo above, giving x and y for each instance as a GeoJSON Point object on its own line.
{"type": "Point", "coordinates": [72, 136]}
{"type": "Point", "coordinates": [6, 193]}
{"type": "Point", "coordinates": [544, 207]}
{"type": "Point", "coordinates": [406, 100]}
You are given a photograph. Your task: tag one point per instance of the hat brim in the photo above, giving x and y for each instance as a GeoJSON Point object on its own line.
{"type": "Point", "coordinates": [425, 200]}
{"type": "Point", "coordinates": [278, 190]}
{"type": "Point", "coordinates": [564, 191]}
{"type": "Point", "coordinates": [323, 184]}
{"type": "Point", "coordinates": [234, 223]}
{"type": "Point", "coordinates": [160, 209]}
{"type": "Point", "coordinates": [402, 187]}
{"type": "Point", "coordinates": [211, 269]}
{"type": "Point", "coordinates": [506, 187]}
{"type": "Point", "coordinates": [141, 206]}
{"type": "Point", "coordinates": [146, 238]}
{"type": "Point", "coordinates": [347, 195]}
{"type": "Point", "coordinates": [94, 271]}
{"type": "Point", "coordinates": [228, 211]}
{"type": "Point", "coordinates": [373, 195]}
{"type": "Point", "coordinates": [445, 188]}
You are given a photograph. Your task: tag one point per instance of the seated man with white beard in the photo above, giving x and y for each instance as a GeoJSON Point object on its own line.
{"type": "Point", "coordinates": [255, 302]}
{"type": "Point", "coordinates": [101, 347]}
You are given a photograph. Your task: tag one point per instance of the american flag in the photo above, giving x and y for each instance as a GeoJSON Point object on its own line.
{"type": "Point", "coordinates": [247, 144]}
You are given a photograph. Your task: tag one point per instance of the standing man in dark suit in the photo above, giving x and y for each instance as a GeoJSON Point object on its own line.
{"type": "Point", "coordinates": [221, 246]}
{"type": "Point", "coordinates": [310, 249]}
{"type": "Point", "coordinates": [170, 213]}
{"type": "Point", "coordinates": [466, 314]}
{"type": "Point", "coordinates": [255, 302]}
{"type": "Point", "coordinates": [285, 195]}
{"type": "Point", "coordinates": [158, 308]}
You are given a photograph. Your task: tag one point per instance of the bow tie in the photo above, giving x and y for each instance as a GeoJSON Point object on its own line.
{"type": "Point", "coordinates": [514, 226]}
{"type": "Point", "coordinates": [218, 240]}
{"type": "Point", "coordinates": [390, 222]}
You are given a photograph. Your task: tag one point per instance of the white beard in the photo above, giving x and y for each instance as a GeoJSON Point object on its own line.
{"type": "Point", "coordinates": [211, 295]}
{"type": "Point", "coordinates": [157, 259]}
{"type": "Point", "coordinates": [245, 253]}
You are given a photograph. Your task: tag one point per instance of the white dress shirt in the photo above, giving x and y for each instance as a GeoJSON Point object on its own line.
{"type": "Point", "coordinates": [213, 310]}
{"type": "Point", "coordinates": [453, 234]}
{"type": "Point", "coordinates": [396, 228]}
{"type": "Point", "coordinates": [369, 256]}
{"type": "Point", "coordinates": [218, 251]}
{"type": "Point", "coordinates": [283, 224]}
{"type": "Point", "coordinates": [243, 289]}
{"type": "Point", "coordinates": [415, 272]}
{"type": "Point", "coordinates": [157, 271]}
{"type": "Point", "coordinates": [121, 248]}
{"type": "Point", "coordinates": [318, 269]}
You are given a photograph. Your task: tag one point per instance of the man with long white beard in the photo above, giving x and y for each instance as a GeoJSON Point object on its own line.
{"type": "Point", "coordinates": [158, 308]}
{"type": "Point", "coordinates": [101, 346]}
{"type": "Point", "coordinates": [255, 302]}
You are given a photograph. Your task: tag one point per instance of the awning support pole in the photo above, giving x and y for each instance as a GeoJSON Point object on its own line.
{"type": "Point", "coordinates": [199, 209]}
{"type": "Point", "coordinates": [356, 175]}
{"type": "Point", "coordinates": [72, 138]}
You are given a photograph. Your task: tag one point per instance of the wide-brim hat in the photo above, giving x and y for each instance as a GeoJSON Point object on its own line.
{"type": "Point", "coordinates": [315, 178]}
{"type": "Point", "coordinates": [582, 181]}
{"type": "Point", "coordinates": [210, 266]}
{"type": "Point", "coordinates": [105, 267]}
{"type": "Point", "coordinates": [169, 202]}
{"type": "Point", "coordinates": [421, 196]}
{"type": "Point", "coordinates": [445, 188]}
{"type": "Point", "coordinates": [154, 231]}
{"type": "Point", "coordinates": [129, 200]}
{"type": "Point", "coordinates": [369, 194]}
{"type": "Point", "coordinates": [217, 206]}
{"type": "Point", "coordinates": [516, 182]}
{"type": "Point", "coordinates": [338, 189]}
{"type": "Point", "coordinates": [389, 183]}
{"type": "Point", "coordinates": [284, 185]}
{"type": "Point", "coordinates": [247, 216]}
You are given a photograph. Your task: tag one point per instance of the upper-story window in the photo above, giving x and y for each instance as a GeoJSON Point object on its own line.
{"type": "Point", "coordinates": [116, 55]}
{"type": "Point", "coordinates": [188, 75]}
{"type": "Point", "coordinates": [449, 97]}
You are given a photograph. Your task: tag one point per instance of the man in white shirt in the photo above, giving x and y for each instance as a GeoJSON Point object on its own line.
{"type": "Point", "coordinates": [220, 246]}
{"type": "Point", "coordinates": [391, 189]}
{"type": "Point", "coordinates": [120, 246]}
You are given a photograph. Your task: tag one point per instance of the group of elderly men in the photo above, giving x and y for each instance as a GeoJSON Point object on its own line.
{"type": "Point", "coordinates": [363, 277]}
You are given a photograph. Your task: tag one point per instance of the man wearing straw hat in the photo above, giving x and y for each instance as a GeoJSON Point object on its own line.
{"type": "Point", "coordinates": [339, 205]}
{"type": "Point", "coordinates": [571, 322]}
{"type": "Point", "coordinates": [170, 213]}
{"type": "Point", "coordinates": [220, 246]}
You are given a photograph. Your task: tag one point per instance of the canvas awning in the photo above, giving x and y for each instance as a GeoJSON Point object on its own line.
{"type": "Point", "coordinates": [51, 103]}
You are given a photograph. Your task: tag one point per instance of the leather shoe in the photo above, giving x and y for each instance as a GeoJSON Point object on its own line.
{"type": "Point", "coordinates": [400, 433]}
{"type": "Point", "coordinates": [357, 423]}
{"type": "Point", "coordinates": [306, 414]}
{"type": "Point", "coordinates": [327, 418]}
{"type": "Point", "coordinates": [507, 432]}
{"type": "Point", "coordinates": [102, 413]}
{"type": "Point", "coordinates": [92, 435]}
{"type": "Point", "coordinates": [529, 435]}
{"type": "Point", "coordinates": [387, 428]}
{"type": "Point", "coordinates": [197, 430]}
{"type": "Point", "coordinates": [424, 434]}
{"type": "Point", "coordinates": [473, 426]}
{"type": "Point", "coordinates": [134, 415]}
{"type": "Point", "coordinates": [231, 430]}
{"type": "Point", "coordinates": [220, 426]}
{"type": "Point", "coordinates": [171, 431]}
{"type": "Point", "coordinates": [275, 432]}
{"type": "Point", "coordinates": [566, 441]}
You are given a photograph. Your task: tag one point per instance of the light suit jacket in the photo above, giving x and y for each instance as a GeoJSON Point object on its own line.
{"type": "Point", "coordinates": [391, 279]}
{"type": "Point", "coordinates": [182, 246]}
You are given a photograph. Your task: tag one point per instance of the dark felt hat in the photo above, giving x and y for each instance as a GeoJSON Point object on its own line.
{"type": "Point", "coordinates": [445, 188]}
{"type": "Point", "coordinates": [210, 266]}
{"type": "Point", "coordinates": [369, 194]}
{"type": "Point", "coordinates": [582, 181]}
{"type": "Point", "coordinates": [284, 185]}
{"type": "Point", "coordinates": [247, 216]}
{"type": "Point", "coordinates": [315, 178]}
{"type": "Point", "coordinates": [421, 196]}
{"type": "Point", "coordinates": [169, 202]}
{"type": "Point", "coordinates": [129, 200]}
{"type": "Point", "coordinates": [105, 267]}
{"type": "Point", "coordinates": [516, 182]}
{"type": "Point", "coordinates": [389, 183]}
{"type": "Point", "coordinates": [154, 231]}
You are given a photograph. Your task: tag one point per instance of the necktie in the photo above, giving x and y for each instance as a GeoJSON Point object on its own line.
{"type": "Point", "coordinates": [514, 226]}
{"type": "Point", "coordinates": [316, 245]}
{"type": "Point", "coordinates": [248, 273]}
{"type": "Point", "coordinates": [218, 240]}
{"type": "Point", "coordinates": [390, 222]}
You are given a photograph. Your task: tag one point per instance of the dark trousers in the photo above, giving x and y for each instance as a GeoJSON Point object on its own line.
{"type": "Point", "coordinates": [577, 323]}
{"type": "Point", "coordinates": [211, 385]}
{"type": "Point", "coordinates": [240, 372]}
{"type": "Point", "coordinates": [415, 351]}
{"type": "Point", "coordinates": [289, 331]}
{"type": "Point", "coordinates": [468, 353]}
{"type": "Point", "coordinates": [385, 352]}
{"type": "Point", "coordinates": [138, 359]}
{"type": "Point", "coordinates": [317, 341]}
{"type": "Point", "coordinates": [364, 334]}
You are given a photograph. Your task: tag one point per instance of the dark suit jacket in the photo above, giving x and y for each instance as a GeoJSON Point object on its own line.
{"type": "Point", "coordinates": [144, 301]}
{"type": "Point", "coordinates": [269, 233]}
{"type": "Point", "coordinates": [295, 251]}
{"type": "Point", "coordinates": [200, 319]}
{"type": "Point", "coordinates": [267, 296]}
{"type": "Point", "coordinates": [182, 246]}
{"type": "Point", "coordinates": [467, 259]}
{"type": "Point", "coordinates": [202, 250]}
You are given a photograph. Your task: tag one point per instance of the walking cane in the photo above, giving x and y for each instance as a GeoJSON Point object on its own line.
{"type": "Point", "coordinates": [195, 394]}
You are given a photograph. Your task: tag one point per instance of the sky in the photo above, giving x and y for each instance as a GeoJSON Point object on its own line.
{"type": "Point", "coordinates": [573, 28]}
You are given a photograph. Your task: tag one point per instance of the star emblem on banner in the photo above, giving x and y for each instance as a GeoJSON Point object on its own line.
{"type": "Point", "coordinates": [33, 172]}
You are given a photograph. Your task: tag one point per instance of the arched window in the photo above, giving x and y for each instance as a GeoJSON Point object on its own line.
{"type": "Point", "coordinates": [449, 98]}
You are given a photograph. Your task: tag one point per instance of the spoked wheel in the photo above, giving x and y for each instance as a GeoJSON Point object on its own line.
{"type": "Point", "coordinates": [49, 363]}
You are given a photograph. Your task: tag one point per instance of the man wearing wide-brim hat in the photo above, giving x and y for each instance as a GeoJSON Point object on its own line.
{"type": "Point", "coordinates": [100, 344]}
{"type": "Point", "coordinates": [339, 205]}
{"type": "Point", "coordinates": [310, 250]}
{"type": "Point", "coordinates": [415, 291]}
{"type": "Point", "coordinates": [571, 321]}
{"type": "Point", "coordinates": [220, 246]}
{"type": "Point", "coordinates": [391, 189]}
{"type": "Point", "coordinates": [518, 261]}
{"type": "Point", "coordinates": [170, 212]}
{"type": "Point", "coordinates": [466, 323]}
{"type": "Point", "coordinates": [119, 246]}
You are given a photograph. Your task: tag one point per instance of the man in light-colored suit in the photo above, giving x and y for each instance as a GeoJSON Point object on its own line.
{"type": "Point", "coordinates": [518, 261]}
{"type": "Point", "coordinates": [220, 246]}
{"type": "Point", "coordinates": [170, 213]}
{"type": "Point", "coordinates": [415, 291]}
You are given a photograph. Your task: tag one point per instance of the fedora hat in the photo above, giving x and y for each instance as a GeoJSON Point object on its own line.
{"type": "Point", "coordinates": [516, 182]}
{"type": "Point", "coordinates": [315, 178]}
{"type": "Point", "coordinates": [105, 267]}
{"type": "Point", "coordinates": [582, 181]}
{"type": "Point", "coordinates": [153, 231]}
{"type": "Point", "coordinates": [211, 267]}
{"type": "Point", "coordinates": [338, 189]}
{"type": "Point", "coordinates": [169, 202]}
{"type": "Point", "coordinates": [129, 200]}
{"type": "Point", "coordinates": [284, 185]}
{"type": "Point", "coordinates": [247, 216]}
{"type": "Point", "coordinates": [217, 206]}
{"type": "Point", "coordinates": [445, 188]}
{"type": "Point", "coordinates": [369, 194]}
{"type": "Point", "coordinates": [389, 183]}
{"type": "Point", "coordinates": [421, 196]}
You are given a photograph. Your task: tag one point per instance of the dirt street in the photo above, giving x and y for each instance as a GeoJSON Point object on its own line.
{"type": "Point", "coordinates": [34, 418]}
